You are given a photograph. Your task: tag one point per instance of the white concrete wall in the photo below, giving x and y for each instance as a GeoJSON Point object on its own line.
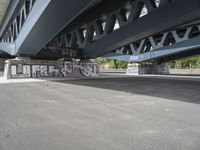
{"type": "Point", "coordinates": [185, 71]}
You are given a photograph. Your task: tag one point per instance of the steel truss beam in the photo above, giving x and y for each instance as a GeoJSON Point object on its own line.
{"type": "Point", "coordinates": [160, 40]}
{"type": "Point", "coordinates": [96, 29]}
{"type": "Point", "coordinates": [56, 15]}
{"type": "Point", "coordinates": [58, 52]}
{"type": "Point", "coordinates": [157, 21]}
{"type": "Point", "coordinates": [36, 24]}
{"type": "Point", "coordinates": [135, 21]}
{"type": "Point", "coordinates": [12, 32]}
{"type": "Point", "coordinates": [187, 48]}
{"type": "Point", "coordinates": [175, 51]}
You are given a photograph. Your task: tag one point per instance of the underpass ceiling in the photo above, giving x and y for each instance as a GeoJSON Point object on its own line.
{"type": "Point", "coordinates": [3, 8]}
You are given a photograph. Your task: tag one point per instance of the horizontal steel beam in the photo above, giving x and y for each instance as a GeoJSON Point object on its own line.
{"type": "Point", "coordinates": [12, 10]}
{"type": "Point", "coordinates": [103, 20]}
{"type": "Point", "coordinates": [176, 49]}
{"type": "Point", "coordinates": [159, 20]}
{"type": "Point", "coordinates": [43, 24]}
{"type": "Point", "coordinates": [7, 47]}
{"type": "Point", "coordinates": [160, 40]}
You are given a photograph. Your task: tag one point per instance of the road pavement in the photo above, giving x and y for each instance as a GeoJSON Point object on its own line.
{"type": "Point", "coordinates": [105, 113]}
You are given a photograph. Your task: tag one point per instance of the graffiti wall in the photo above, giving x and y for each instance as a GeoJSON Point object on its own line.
{"type": "Point", "coordinates": [38, 69]}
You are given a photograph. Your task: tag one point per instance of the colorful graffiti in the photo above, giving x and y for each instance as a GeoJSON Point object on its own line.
{"type": "Point", "coordinates": [38, 69]}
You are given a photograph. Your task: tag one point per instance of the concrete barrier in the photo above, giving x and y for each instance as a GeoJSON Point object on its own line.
{"type": "Point", "coordinates": [171, 71]}
{"type": "Point", "coordinates": [185, 71]}
{"type": "Point", "coordinates": [139, 69]}
{"type": "Point", "coordinates": [113, 70]}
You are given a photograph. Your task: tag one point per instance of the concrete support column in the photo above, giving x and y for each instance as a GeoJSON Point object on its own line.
{"type": "Point", "coordinates": [139, 69]}
{"type": "Point", "coordinates": [2, 63]}
{"type": "Point", "coordinates": [27, 68]}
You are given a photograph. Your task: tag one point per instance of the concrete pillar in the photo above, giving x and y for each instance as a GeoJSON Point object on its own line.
{"type": "Point", "coordinates": [27, 68]}
{"type": "Point", "coordinates": [139, 69]}
{"type": "Point", "coordinates": [133, 69]}
{"type": "Point", "coordinates": [2, 64]}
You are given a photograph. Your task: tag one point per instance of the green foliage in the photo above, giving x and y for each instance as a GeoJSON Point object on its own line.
{"type": "Point", "coordinates": [186, 63]}
{"type": "Point", "coordinates": [112, 64]}
{"type": "Point", "coordinates": [192, 62]}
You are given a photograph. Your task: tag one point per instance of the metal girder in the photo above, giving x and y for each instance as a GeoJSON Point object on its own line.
{"type": "Point", "coordinates": [56, 15]}
{"type": "Point", "coordinates": [159, 20]}
{"type": "Point", "coordinates": [102, 20]}
{"type": "Point", "coordinates": [58, 52]}
{"type": "Point", "coordinates": [34, 25]}
{"type": "Point", "coordinates": [14, 28]}
{"type": "Point", "coordinates": [3, 7]}
{"type": "Point", "coordinates": [7, 47]}
{"type": "Point", "coordinates": [171, 50]}
{"type": "Point", "coordinates": [160, 40]}
{"type": "Point", "coordinates": [12, 12]}
{"type": "Point", "coordinates": [180, 55]}
{"type": "Point", "coordinates": [181, 41]}
{"type": "Point", "coordinates": [40, 29]}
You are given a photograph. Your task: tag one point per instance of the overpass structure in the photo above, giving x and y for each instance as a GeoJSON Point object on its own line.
{"type": "Point", "coordinates": [130, 30]}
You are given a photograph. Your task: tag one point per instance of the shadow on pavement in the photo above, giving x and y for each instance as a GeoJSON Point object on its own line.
{"type": "Point", "coordinates": [172, 89]}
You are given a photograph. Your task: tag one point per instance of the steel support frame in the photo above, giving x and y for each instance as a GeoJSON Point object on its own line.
{"type": "Point", "coordinates": [171, 52]}
{"type": "Point", "coordinates": [99, 36]}
{"type": "Point", "coordinates": [161, 40]}
{"type": "Point", "coordinates": [52, 20]}
{"type": "Point", "coordinates": [44, 21]}
{"type": "Point", "coordinates": [11, 33]}
{"type": "Point", "coordinates": [102, 26]}
{"type": "Point", "coordinates": [146, 26]}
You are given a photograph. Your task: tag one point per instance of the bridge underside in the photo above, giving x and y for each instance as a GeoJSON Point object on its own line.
{"type": "Point", "coordinates": [139, 30]}
{"type": "Point", "coordinates": [178, 43]}
{"type": "Point", "coordinates": [3, 8]}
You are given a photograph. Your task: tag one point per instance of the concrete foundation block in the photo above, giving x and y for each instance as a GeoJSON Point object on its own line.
{"type": "Point", "coordinates": [139, 69]}
{"type": "Point", "coordinates": [2, 63]}
{"type": "Point", "coordinates": [26, 68]}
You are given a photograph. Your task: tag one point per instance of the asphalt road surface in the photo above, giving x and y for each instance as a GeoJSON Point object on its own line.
{"type": "Point", "coordinates": [115, 113]}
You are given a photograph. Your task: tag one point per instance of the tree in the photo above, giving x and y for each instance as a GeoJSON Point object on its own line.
{"type": "Point", "coordinates": [186, 63]}
{"type": "Point", "coordinates": [113, 64]}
